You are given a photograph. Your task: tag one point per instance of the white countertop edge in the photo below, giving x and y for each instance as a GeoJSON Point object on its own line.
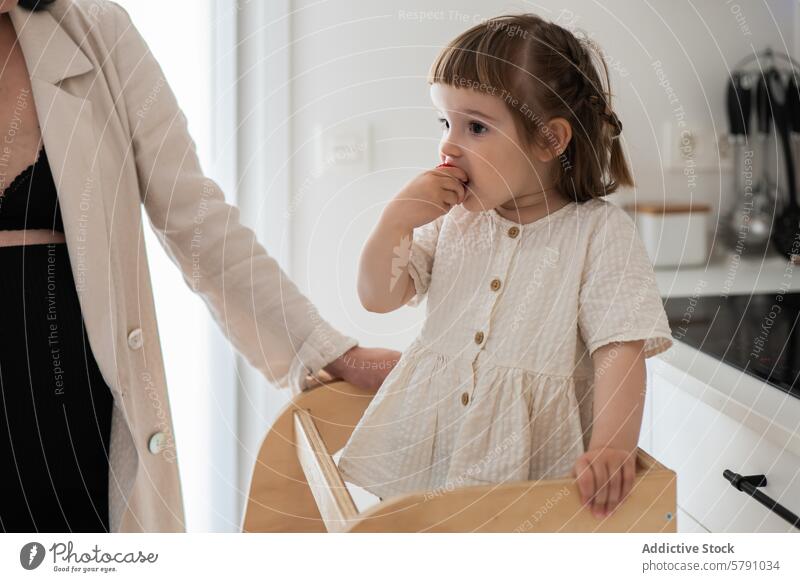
{"type": "Point", "coordinates": [765, 409]}
{"type": "Point", "coordinates": [729, 274]}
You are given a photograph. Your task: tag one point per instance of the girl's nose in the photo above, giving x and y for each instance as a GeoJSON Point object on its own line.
{"type": "Point", "coordinates": [449, 149]}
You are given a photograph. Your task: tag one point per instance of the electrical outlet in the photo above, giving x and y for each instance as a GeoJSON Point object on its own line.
{"type": "Point", "coordinates": [695, 149]}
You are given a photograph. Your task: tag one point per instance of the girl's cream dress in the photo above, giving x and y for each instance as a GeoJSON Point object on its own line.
{"type": "Point", "coordinates": [498, 385]}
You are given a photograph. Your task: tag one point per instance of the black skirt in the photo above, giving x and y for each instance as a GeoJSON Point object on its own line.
{"type": "Point", "coordinates": [55, 407]}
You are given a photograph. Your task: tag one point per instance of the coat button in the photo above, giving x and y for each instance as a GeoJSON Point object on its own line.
{"type": "Point", "coordinates": [157, 443]}
{"type": "Point", "coordinates": [513, 232]}
{"type": "Point", "coordinates": [479, 338]}
{"type": "Point", "coordinates": [495, 285]}
{"type": "Point", "coordinates": [465, 399]}
{"type": "Point", "coordinates": [135, 340]}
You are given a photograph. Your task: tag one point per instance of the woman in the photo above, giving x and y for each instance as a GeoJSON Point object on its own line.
{"type": "Point", "coordinates": [91, 130]}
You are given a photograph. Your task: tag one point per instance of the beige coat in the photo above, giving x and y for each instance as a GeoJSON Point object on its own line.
{"type": "Point", "coordinates": [116, 139]}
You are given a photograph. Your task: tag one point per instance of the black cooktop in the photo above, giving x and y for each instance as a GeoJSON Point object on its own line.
{"type": "Point", "coordinates": [758, 334]}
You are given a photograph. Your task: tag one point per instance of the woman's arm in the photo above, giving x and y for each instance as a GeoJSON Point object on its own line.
{"type": "Point", "coordinates": [256, 305]}
{"type": "Point", "coordinates": [606, 471]}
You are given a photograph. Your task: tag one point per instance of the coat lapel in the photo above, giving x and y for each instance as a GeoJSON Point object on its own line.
{"type": "Point", "coordinates": [67, 131]}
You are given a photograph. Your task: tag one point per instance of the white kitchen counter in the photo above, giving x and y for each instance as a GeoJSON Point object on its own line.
{"type": "Point", "coordinates": [756, 404]}
{"type": "Point", "coordinates": [729, 274]}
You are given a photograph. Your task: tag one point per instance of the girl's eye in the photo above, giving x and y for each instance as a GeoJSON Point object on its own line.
{"type": "Point", "coordinates": [444, 123]}
{"type": "Point", "coordinates": [477, 128]}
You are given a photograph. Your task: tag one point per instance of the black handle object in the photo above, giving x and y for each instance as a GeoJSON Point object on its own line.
{"type": "Point", "coordinates": [747, 98]}
{"type": "Point", "coordinates": [793, 105]}
{"type": "Point", "coordinates": [786, 234]}
{"type": "Point", "coordinates": [749, 484]}
{"type": "Point", "coordinates": [783, 127]}
{"type": "Point", "coordinates": [763, 105]}
{"type": "Point", "coordinates": [738, 101]}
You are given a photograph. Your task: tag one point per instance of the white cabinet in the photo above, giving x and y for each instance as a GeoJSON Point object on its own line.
{"type": "Point", "coordinates": [698, 442]}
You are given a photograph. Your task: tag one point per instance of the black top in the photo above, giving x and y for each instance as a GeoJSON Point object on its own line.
{"type": "Point", "coordinates": [31, 201]}
{"type": "Point", "coordinates": [55, 407]}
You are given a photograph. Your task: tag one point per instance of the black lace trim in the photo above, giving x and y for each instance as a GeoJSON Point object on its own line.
{"type": "Point", "coordinates": [22, 176]}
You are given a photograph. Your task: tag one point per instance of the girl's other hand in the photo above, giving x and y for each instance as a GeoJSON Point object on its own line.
{"type": "Point", "coordinates": [605, 478]}
{"type": "Point", "coordinates": [428, 196]}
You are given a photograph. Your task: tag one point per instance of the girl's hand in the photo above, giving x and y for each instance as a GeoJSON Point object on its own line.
{"type": "Point", "coordinates": [428, 196]}
{"type": "Point", "coordinates": [605, 478]}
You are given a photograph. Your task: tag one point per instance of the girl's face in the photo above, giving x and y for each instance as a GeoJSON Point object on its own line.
{"type": "Point", "coordinates": [480, 137]}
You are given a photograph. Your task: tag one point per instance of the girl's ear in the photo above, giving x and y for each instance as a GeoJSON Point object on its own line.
{"type": "Point", "coordinates": [554, 138]}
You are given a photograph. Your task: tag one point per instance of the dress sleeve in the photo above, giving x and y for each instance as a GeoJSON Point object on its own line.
{"type": "Point", "coordinates": [420, 260]}
{"type": "Point", "coordinates": [619, 298]}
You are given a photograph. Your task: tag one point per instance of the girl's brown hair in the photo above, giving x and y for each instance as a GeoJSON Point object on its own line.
{"type": "Point", "coordinates": [543, 71]}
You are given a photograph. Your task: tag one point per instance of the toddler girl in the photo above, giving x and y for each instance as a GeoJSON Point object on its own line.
{"type": "Point", "coordinates": [541, 299]}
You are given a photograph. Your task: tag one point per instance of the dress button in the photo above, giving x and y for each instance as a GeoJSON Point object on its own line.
{"type": "Point", "coordinates": [135, 340]}
{"type": "Point", "coordinates": [465, 399]}
{"type": "Point", "coordinates": [479, 338]}
{"type": "Point", "coordinates": [495, 285]}
{"type": "Point", "coordinates": [157, 443]}
{"type": "Point", "coordinates": [513, 232]}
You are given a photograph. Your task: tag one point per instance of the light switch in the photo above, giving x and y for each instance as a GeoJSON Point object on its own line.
{"type": "Point", "coordinates": [346, 146]}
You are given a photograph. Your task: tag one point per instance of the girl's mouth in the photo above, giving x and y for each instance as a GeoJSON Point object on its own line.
{"type": "Point", "coordinates": [446, 165]}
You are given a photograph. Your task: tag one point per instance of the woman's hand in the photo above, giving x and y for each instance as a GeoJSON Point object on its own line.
{"type": "Point", "coordinates": [605, 478]}
{"type": "Point", "coordinates": [427, 197]}
{"type": "Point", "coordinates": [364, 367]}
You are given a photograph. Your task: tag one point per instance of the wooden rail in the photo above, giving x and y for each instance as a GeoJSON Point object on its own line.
{"type": "Point", "coordinates": [336, 505]}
